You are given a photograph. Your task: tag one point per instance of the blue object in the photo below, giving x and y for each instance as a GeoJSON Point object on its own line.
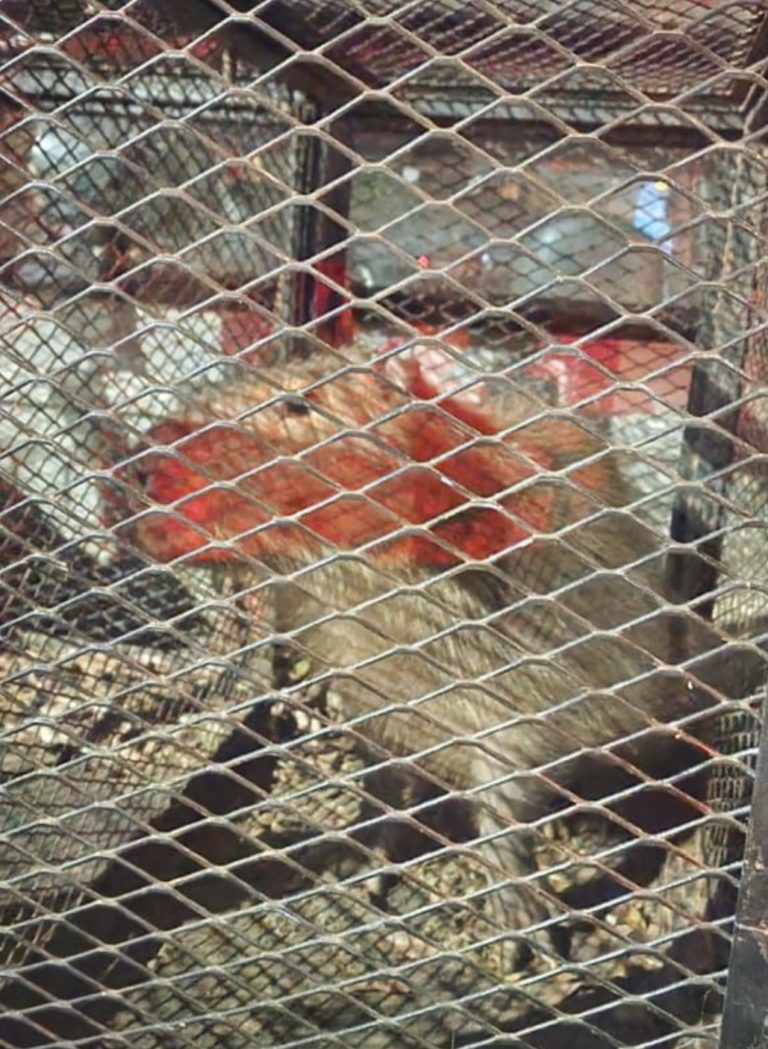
{"type": "Point", "coordinates": [651, 212]}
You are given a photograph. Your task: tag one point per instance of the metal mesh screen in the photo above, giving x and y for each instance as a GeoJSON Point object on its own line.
{"type": "Point", "coordinates": [382, 590]}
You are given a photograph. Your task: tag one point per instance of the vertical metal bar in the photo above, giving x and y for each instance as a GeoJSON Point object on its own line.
{"type": "Point", "coordinates": [745, 1019]}
{"type": "Point", "coordinates": [305, 239]}
{"type": "Point", "coordinates": [693, 572]}
{"type": "Point", "coordinates": [316, 233]}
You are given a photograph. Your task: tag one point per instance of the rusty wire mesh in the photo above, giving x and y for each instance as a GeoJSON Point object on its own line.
{"type": "Point", "coordinates": [383, 585]}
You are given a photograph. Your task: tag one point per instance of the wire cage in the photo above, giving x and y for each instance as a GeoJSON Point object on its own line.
{"type": "Point", "coordinates": [383, 588]}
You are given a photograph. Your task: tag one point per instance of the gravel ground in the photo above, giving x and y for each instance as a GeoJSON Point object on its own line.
{"type": "Point", "coordinates": [275, 923]}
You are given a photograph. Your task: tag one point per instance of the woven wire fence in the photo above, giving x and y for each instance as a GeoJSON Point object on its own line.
{"type": "Point", "coordinates": [382, 590]}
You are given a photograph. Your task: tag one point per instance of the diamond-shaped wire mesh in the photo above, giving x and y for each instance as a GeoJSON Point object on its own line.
{"type": "Point", "coordinates": [382, 594]}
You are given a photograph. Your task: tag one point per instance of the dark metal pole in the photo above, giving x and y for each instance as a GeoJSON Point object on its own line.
{"type": "Point", "coordinates": [745, 1020]}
